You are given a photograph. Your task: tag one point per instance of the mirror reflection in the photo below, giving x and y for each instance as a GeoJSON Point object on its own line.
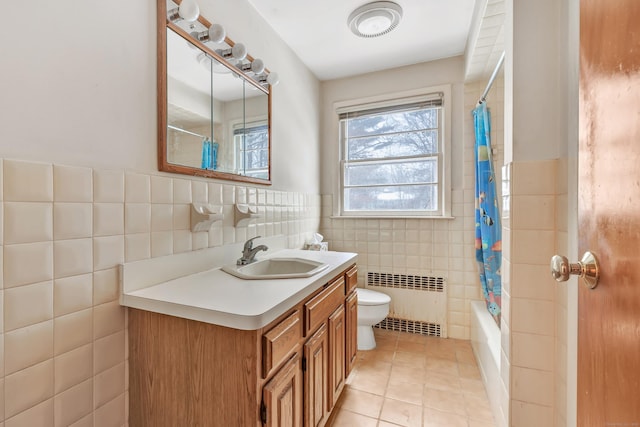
{"type": "Point", "coordinates": [217, 119]}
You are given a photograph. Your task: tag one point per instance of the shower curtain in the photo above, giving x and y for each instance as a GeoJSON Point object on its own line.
{"type": "Point", "coordinates": [488, 230]}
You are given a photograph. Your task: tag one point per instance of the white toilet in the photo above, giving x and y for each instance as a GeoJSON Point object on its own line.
{"type": "Point", "coordinates": [372, 308]}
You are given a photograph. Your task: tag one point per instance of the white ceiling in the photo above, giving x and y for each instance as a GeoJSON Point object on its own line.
{"type": "Point", "coordinates": [317, 32]}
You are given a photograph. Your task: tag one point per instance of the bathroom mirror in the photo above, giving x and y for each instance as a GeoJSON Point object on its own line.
{"type": "Point", "coordinates": [213, 119]}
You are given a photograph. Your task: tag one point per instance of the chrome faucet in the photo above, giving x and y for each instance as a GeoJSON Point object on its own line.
{"type": "Point", "coordinates": [249, 252]}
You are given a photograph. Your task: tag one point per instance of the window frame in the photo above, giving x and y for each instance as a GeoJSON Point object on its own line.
{"type": "Point", "coordinates": [443, 155]}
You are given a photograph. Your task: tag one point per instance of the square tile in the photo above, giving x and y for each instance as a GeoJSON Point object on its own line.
{"type": "Point", "coordinates": [27, 222]}
{"type": "Point", "coordinates": [72, 331]}
{"type": "Point", "coordinates": [27, 181]}
{"type": "Point", "coordinates": [161, 217]}
{"type": "Point", "coordinates": [73, 404]}
{"type": "Point", "coordinates": [108, 186]}
{"type": "Point", "coordinates": [27, 388]}
{"type": "Point", "coordinates": [161, 243]}
{"type": "Point", "coordinates": [27, 263]}
{"type": "Point", "coordinates": [38, 415]}
{"type": "Point", "coordinates": [71, 294]}
{"type": "Point", "coordinates": [73, 367]}
{"type": "Point", "coordinates": [108, 319]}
{"type": "Point", "coordinates": [137, 218]}
{"type": "Point", "coordinates": [401, 413]}
{"type": "Point", "coordinates": [27, 305]}
{"type": "Point", "coordinates": [72, 257]}
{"type": "Point", "coordinates": [108, 385]}
{"type": "Point", "coordinates": [105, 286]}
{"type": "Point", "coordinates": [108, 351]}
{"type": "Point", "coordinates": [28, 346]}
{"type": "Point", "coordinates": [137, 188]}
{"type": "Point", "coordinates": [111, 413]}
{"type": "Point", "coordinates": [161, 189]}
{"type": "Point", "coordinates": [137, 247]}
{"type": "Point", "coordinates": [108, 219]}
{"type": "Point", "coordinates": [182, 191]}
{"type": "Point", "coordinates": [72, 184]}
{"type": "Point", "coordinates": [72, 220]}
{"type": "Point", "coordinates": [108, 252]}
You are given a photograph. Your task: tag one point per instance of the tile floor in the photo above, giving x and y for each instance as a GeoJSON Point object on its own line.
{"type": "Point", "coordinates": [415, 381]}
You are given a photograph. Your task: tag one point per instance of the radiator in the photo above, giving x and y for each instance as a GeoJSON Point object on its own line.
{"type": "Point", "coordinates": [418, 303]}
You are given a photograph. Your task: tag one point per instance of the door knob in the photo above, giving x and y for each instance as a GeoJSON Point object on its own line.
{"type": "Point", "coordinates": [587, 269]}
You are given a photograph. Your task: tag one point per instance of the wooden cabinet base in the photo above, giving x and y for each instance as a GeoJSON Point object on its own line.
{"type": "Point", "coordinates": [188, 373]}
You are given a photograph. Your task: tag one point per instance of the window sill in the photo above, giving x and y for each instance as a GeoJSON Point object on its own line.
{"type": "Point", "coordinates": [391, 217]}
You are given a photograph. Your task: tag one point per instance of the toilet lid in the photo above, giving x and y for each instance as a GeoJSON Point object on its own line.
{"type": "Point", "coordinates": [368, 297]}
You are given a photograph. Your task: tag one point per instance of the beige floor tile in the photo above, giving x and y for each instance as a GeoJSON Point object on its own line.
{"type": "Point", "coordinates": [435, 418]}
{"type": "Point", "coordinates": [409, 359]}
{"type": "Point", "coordinates": [442, 381]}
{"type": "Point", "coordinates": [442, 366]}
{"type": "Point", "coordinates": [445, 400]}
{"type": "Point", "coordinates": [401, 413]}
{"type": "Point", "coordinates": [370, 382]}
{"type": "Point", "coordinates": [347, 418]}
{"type": "Point", "coordinates": [406, 392]}
{"type": "Point", "coordinates": [469, 371]}
{"type": "Point", "coordinates": [412, 347]}
{"type": "Point", "coordinates": [361, 402]}
{"type": "Point", "coordinates": [414, 380]}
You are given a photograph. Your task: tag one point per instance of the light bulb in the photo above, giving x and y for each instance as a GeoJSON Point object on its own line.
{"type": "Point", "coordinates": [189, 10]}
{"type": "Point", "coordinates": [239, 51]}
{"type": "Point", "coordinates": [257, 66]}
{"type": "Point", "coordinates": [273, 79]}
{"type": "Point", "coordinates": [217, 34]}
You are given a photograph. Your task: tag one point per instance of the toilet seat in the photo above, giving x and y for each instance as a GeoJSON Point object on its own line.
{"type": "Point", "coordinates": [368, 297]}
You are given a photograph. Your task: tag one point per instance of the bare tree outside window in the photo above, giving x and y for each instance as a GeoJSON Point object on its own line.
{"type": "Point", "coordinates": [391, 159]}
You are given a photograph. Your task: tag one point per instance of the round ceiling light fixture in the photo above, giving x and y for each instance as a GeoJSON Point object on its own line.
{"type": "Point", "coordinates": [375, 19]}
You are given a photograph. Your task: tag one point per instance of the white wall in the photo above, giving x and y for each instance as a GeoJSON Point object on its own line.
{"type": "Point", "coordinates": [79, 86]}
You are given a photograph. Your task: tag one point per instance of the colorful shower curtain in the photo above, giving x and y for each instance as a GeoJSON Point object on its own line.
{"type": "Point", "coordinates": [488, 229]}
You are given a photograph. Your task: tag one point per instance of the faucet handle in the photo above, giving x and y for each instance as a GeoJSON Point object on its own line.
{"type": "Point", "coordinates": [249, 243]}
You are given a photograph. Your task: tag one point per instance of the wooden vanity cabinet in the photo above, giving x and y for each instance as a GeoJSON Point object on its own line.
{"type": "Point", "coordinates": [287, 374]}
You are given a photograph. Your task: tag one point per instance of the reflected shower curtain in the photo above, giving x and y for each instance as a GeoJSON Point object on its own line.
{"type": "Point", "coordinates": [488, 230]}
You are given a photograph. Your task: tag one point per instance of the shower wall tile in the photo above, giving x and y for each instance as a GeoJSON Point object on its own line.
{"type": "Point", "coordinates": [182, 191]}
{"type": "Point", "coordinates": [40, 415]}
{"type": "Point", "coordinates": [72, 184]}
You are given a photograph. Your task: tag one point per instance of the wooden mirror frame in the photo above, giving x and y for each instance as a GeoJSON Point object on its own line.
{"type": "Point", "coordinates": [163, 24]}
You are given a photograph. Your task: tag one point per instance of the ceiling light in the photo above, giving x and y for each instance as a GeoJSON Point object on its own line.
{"type": "Point", "coordinates": [374, 19]}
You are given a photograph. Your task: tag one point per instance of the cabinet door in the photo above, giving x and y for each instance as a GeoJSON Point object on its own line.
{"type": "Point", "coordinates": [351, 332]}
{"type": "Point", "coordinates": [282, 396]}
{"type": "Point", "coordinates": [336, 355]}
{"type": "Point", "coordinates": [316, 377]}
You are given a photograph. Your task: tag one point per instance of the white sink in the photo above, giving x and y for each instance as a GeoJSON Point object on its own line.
{"type": "Point", "coordinates": [276, 268]}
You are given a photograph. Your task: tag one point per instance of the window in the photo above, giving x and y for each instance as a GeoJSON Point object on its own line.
{"type": "Point", "coordinates": [252, 150]}
{"type": "Point", "coordinates": [392, 158]}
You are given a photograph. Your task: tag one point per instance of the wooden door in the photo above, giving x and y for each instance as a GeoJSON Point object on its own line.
{"type": "Point", "coordinates": [609, 212]}
{"type": "Point", "coordinates": [337, 329]}
{"type": "Point", "coordinates": [282, 396]}
{"type": "Point", "coordinates": [352, 332]}
{"type": "Point", "coordinates": [316, 376]}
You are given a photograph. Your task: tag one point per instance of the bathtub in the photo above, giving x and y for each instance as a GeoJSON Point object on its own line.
{"type": "Point", "coordinates": [485, 340]}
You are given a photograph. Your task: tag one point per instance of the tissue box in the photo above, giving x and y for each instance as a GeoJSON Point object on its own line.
{"type": "Point", "coordinates": [322, 246]}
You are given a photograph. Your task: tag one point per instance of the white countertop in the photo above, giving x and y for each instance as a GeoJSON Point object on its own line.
{"type": "Point", "coordinates": [216, 297]}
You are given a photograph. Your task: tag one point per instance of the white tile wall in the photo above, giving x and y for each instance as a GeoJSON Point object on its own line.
{"type": "Point", "coordinates": [63, 232]}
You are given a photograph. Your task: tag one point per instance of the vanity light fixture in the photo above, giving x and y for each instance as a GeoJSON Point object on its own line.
{"type": "Point", "coordinates": [255, 67]}
{"type": "Point", "coordinates": [271, 78]}
{"type": "Point", "coordinates": [375, 19]}
{"type": "Point", "coordinates": [188, 10]}
{"type": "Point", "coordinates": [238, 51]}
{"type": "Point", "coordinates": [215, 34]}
